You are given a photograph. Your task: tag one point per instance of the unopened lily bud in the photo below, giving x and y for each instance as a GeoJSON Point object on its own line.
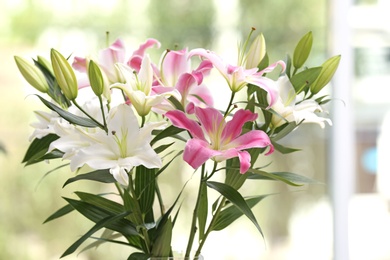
{"type": "Point", "coordinates": [32, 74]}
{"type": "Point", "coordinates": [64, 74]}
{"type": "Point", "coordinates": [256, 52]}
{"type": "Point", "coordinates": [95, 78]}
{"type": "Point", "coordinates": [45, 63]}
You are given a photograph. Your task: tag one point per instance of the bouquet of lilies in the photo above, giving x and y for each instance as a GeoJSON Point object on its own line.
{"type": "Point", "coordinates": [137, 118]}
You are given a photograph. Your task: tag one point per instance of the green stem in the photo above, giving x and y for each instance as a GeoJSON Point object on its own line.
{"type": "Point", "coordinates": [103, 114]}
{"type": "Point", "coordinates": [210, 227]}
{"type": "Point", "coordinates": [230, 104]}
{"type": "Point", "coordinates": [145, 234]}
{"type": "Point", "coordinates": [195, 215]}
{"type": "Point", "coordinates": [90, 117]}
{"type": "Point", "coordinates": [160, 200]}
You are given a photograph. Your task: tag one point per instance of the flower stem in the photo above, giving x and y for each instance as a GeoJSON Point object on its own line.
{"type": "Point", "coordinates": [89, 116]}
{"type": "Point", "coordinates": [227, 111]}
{"type": "Point", "coordinates": [195, 215]}
{"type": "Point", "coordinates": [210, 227]}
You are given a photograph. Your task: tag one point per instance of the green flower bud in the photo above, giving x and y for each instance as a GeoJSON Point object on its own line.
{"type": "Point", "coordinates": [32, 74]}
{"type": "Point", "coordinates": [45, 63]}
{"type": "Point", "coordinates": [64, 74]}
{"type": "Point", "coordinates": [256, 52]}
{"type": "Point", "coordinates": [95, 78]}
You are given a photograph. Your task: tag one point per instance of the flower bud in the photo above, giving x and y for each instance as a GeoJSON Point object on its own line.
{"type": "Point", "coordinates": [32, 74]}
{"type": "Point", "coordinates": [256, 52]}
{"type": "Point", "coordinates": [64, 74]}
{"type": "Point", "coordinates": [95, 78]}
{"type": "Point", "coordinates": [45, 63]}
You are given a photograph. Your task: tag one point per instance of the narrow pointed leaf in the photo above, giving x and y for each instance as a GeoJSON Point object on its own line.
{"type": "Point", "coordinates": [145, 187]}
{"type": "Point", "coordinates": [283, 149]}
{"type": "Point", "coordinates": [287, 177]}
{"type": "Point", "coordinates": [101, 202]}
{"type": "Point", "coordinates": [103, 176]}
{"type": "Point", "coordinates": [232, 213]}
{"type": "Point", "coordinates": [162, 244]}
{"type": "Point", "coordinates": [96, 214]}
{"type": "Point", "coordinates": [170, 131]}
{"type": "Point", "coordinates": [233, 177]}
{"type": "Point", "coordinates": [59, 213]}
{"type": "Point", "coordinates": [235, 197]}
{"type": "Point", "coordinates": [100, 224]}
{"type": "Point", "coordinates": [71, 118]}
{"type": "Point", "coordinates": [38, 148]}
{"type": "Point", "coordinates": [202, 210]}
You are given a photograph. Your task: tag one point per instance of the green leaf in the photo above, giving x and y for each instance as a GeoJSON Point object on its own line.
{"type": "Point", "coordinates": [304, 79]}
{"type": "Point", "coordinates": [302, 50]}
{"type": "Point", "coordinates": [284, 130]}
{"type": "Point", "coordinates": [103, 176]}
{"type": "Point", "coordinates": [163, 147]}
{"type": "Point", "coordinates": [170, 131]}
{"type": "Point", "coordinates": [232, 213]}
{"type": "Point", "coordinates": [176, 103]}
{"type": "Point", "coordinates": [101, 202]}
{"type": "Point", "coordinates": [288, 66]}
{"type": "Point", "coordinates": [167, 164]}
{"type": "Point", "coordinates": [54, 89]}
{"type": "Point", "coordinates": [283, 149]}
{"type": "Point", "coordinates": [202, 210]}
{"type": "Point", "coordinates": [233, 177]}
{"type": "Point", "coordinates": [38, 148]}
{"type": "Point", "coordinates": [107, 236]}
{"type": "Point", "coordinates": [328, 69]}
{"type": "Point", "coordinates": [145, 187]}
{"type": "Point", "coordinates": [71, 118]}
{"type": "Point", "coordinates": [162, 244]}
{"type": "Point", "coordinates": [96, 214]}
{"type": "Point", "coordinates": [235, 197]}
{"type": "Point", "coordinates": [264, 63]}
{"type": "Point", "coordinates": [287, 177]}
{"type": "Point", "coordinates": [100, 224]}
{"type": "Point", "coordinates": [59, 213]}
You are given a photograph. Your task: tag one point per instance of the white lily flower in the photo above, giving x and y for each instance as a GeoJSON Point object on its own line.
{"type": "Point", "coordinates": [122, 148]}
{"type": "Point", "coordinates": [290, 109]}
{"type": "Point", "coordinates": [138, 87]}
{"type": "Point", "coordinates": [44, 125]}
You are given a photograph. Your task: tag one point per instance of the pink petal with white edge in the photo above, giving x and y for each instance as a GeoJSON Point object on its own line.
{"type": "Point", "coordinates": [175, 64]}
{"type": "Point", "coordinates": [180, 120]}
{"type": "Point", "coordinates": [245, 161]}
{"type": "Point", "coordinates": [136, 58]}
{"type": "Point", "coordinates": [197, 152]}
{"type": "Point", "coordinates": [233, 128]}
{"type": "Point", "coordinates": [252, 139]}
{"type": "Point", "coordinates": [113, 54]}
{"type": "Point", "coordinates": [80, 64]}
{"type": "Point", "coordinates": [211, 120]}
{"type": "Point", "coordinates": [268, 85]}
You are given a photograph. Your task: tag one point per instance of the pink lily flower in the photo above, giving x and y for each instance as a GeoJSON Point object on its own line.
{"type": "Point", "coordinates": [137, 56]}
{"type": "Point", "coordinates": [214, 138]}
{"type": "Point", "coordinates": [176, 74]}
{"type": "Point", "coordinates": [238, 77]}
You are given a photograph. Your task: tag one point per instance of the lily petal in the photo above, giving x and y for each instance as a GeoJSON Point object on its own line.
{"type": "Point", "coordinates": [197, 152]}
{"type": "Point", "coordinates": [233, 128]}
{"type": "Point", "coordinates": [179, 119]}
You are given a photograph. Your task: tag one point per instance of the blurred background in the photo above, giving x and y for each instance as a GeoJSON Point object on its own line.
{"type": "Point", "coordinates": [346, 218]}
